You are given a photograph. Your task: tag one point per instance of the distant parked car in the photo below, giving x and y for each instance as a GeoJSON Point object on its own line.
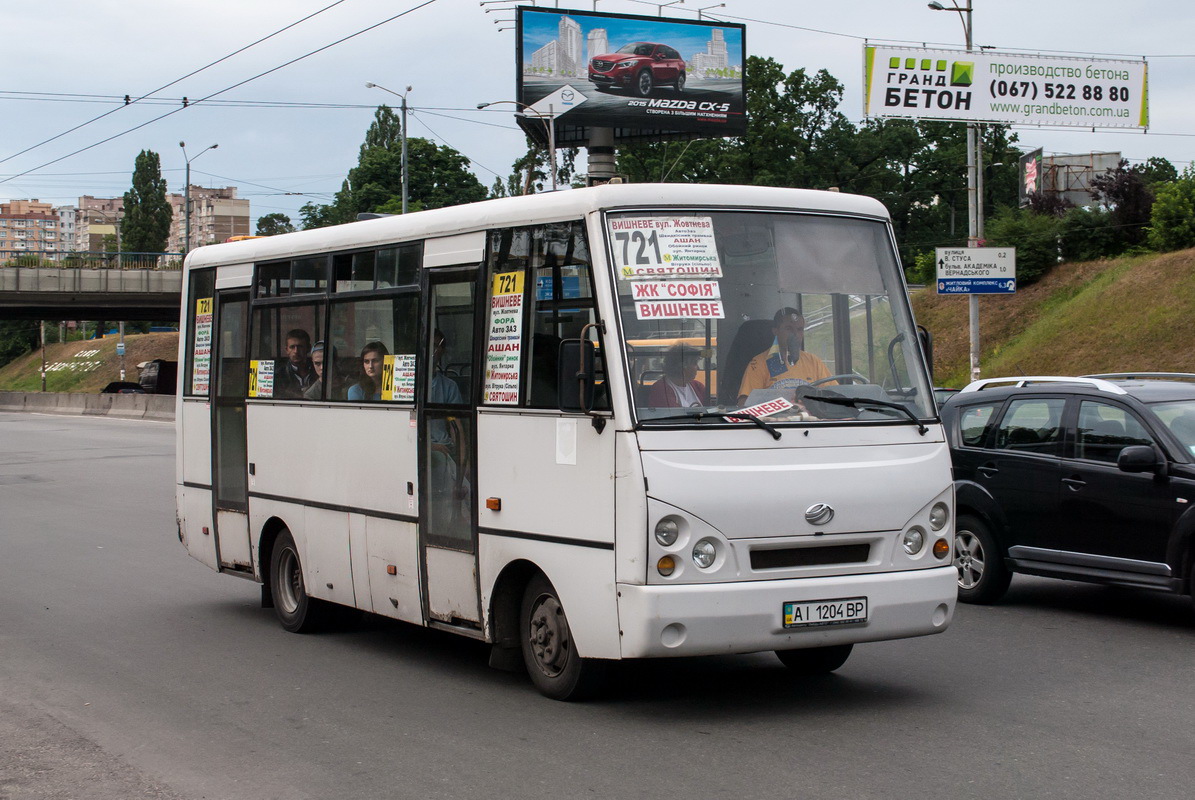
{"type": "Point", "coordinates": [158, 376]}
{"type": "Point", "coordinates": [639, 67]}
{"type": "Point", "coordinates": [122, 387]}
{"type": "Point", "coordinates": [1087, 479]}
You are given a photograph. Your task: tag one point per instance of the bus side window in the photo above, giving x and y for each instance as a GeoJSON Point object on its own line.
{"type": "Point", "coordinates": [281, 363]}
{"type": "Point", "coordinates": [563, 305]}
{"type": "Point", "coordinates": [359, 323]}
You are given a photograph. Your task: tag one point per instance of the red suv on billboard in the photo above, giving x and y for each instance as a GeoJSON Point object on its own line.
{"type": "Point", "coordinates": [639, 67]}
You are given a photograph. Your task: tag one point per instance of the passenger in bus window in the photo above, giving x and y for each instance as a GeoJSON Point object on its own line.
{"type": "Point", "coordinates": [315, 390]}
{"type": "Point", "coordinates": [785, 365]}
{"type": "Point", "coordinates": [369, 385]}
{"type": "Point", "coordinates": [443, 389]}
{"type": "Point", "coordinates": [296, 373]}
{"type": "Point", "coordinates": [679, 388]}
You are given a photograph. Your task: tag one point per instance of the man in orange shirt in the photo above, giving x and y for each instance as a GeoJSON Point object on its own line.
{"type": "Point", "coordinates": [784, 365]}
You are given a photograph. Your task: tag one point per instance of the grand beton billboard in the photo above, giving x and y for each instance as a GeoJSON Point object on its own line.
{"type": "Point", "coordinates": [984, 86]}
{"type": "Point", "coordinates": [590, 69]}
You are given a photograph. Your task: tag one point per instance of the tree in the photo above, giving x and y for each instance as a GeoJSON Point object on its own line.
{"type": "Point", "coordinates": [147, 213]}
{"type": "Point", "coordinates": [1172, 222]}
{"type": "Point", "coordinates": [1126, 194]}
{"type": "Point", "coordinates": [274, 224]}
{"type": "Point", "coordinates": [438, 176]}
{"type": "Point", "coordinates": [17, 337]}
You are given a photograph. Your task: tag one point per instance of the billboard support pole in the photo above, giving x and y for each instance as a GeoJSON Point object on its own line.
{"type": "Point", "coordinates": [601, 154]}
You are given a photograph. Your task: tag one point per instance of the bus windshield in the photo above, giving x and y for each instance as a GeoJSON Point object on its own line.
{"type": "Point", "coordinates": [789, 317]}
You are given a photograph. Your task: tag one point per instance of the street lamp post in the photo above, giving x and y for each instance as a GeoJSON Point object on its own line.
{"type": "Point", "coordinates": [187, 194]}
{"type": "Point", "coordinates": [404, 137]}
{"type": "Point", "coordinates": [974, 208]}
{"type": "Point", "coordinates": [701, 11]}
{"type": "Point", "coordinates": [549, 121]}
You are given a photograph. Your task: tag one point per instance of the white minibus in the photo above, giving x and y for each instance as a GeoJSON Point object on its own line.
{"type": "Point", "coordinates": [627, 421]}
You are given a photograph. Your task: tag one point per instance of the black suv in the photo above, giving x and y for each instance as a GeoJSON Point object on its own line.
{"type": "Point", "coordinates": [1088, 479]}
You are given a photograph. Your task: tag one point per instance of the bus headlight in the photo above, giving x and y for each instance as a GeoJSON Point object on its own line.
{"type": "Point", "coordinates": [667, 530]}
{"type": "Point", "coordinates": [938, 516]}
{"type": "Point", "coordinates": [704, 553]}
{"type": "Point", "coordinates": [913, 540]}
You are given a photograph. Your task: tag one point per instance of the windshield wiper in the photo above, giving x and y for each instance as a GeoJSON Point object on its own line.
{"type": "Point", "coordinates": [759, 423]}
{"type": "Point", "coordinates": [858, 402]}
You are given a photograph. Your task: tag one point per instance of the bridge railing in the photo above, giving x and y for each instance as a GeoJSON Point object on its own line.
{"type": "Point", "coordinates": [86, 259]}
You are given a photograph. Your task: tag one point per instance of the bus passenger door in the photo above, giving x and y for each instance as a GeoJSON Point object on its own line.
{"type": "Point", "coordinates": [447, 436]}
{"type": "Point", "coordinates": [229, 470]}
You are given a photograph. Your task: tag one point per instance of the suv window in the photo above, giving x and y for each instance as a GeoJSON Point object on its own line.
{"type": "Point", "coordinates": [1104, 430]}
{"type": "Point", "coordinates": [1032, 425]}
{"type": "Point", "coordinates": [974, 423]}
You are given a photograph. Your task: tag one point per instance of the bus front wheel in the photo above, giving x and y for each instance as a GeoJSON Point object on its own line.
{"type": "Point", "coordinates": [815, 660]}
{"type": "Point", "coordinates": [296, 610]}
{"type": "Point", "coordinates": [552, 661]}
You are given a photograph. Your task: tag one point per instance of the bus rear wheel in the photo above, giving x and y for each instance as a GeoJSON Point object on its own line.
{"type": "Point", "coordinates": [297, 611]}
{"type": "Point", "coordinates": [815, 660]}
{"type": "Point", "coordinates": [551, 658]}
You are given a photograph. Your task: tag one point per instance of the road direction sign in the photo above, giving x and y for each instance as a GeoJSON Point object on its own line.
{"type": "Point", "coordinates": [976, 270]}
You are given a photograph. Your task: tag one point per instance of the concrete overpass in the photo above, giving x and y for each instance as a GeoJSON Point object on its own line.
{"type": "Point", "coordinates": [135, 286]}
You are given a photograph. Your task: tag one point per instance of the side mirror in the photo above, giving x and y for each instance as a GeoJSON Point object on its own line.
{"type": "Point", "coordinates": [1138, 458]}
{"type": "Point", "coordinates": [575, 375]}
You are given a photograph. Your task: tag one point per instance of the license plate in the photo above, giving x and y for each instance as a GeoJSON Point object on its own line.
{"type": "Point", "coordinates": [817, 613]}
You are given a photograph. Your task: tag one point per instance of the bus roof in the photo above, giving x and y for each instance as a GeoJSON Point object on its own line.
{"type": "Point", "coordinates": [525, 210]}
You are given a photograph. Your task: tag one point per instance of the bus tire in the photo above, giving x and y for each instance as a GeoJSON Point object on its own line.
{"type": "Point", "coordinates": [982, 575]}
{"type": "Point", "coordinates": [297, 611]}
{"type": "Point", "coordinates": [815, 660]}
{"type": "Point", "coordinates": [552, 661]}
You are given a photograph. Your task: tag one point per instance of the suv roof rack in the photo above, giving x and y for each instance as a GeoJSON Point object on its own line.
{"type": "Point", "coordinates": [1028, 380]}
{"type": "Point", "coordinates": [1162, 376]}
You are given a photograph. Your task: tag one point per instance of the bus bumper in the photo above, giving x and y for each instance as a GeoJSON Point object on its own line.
{"type": "Point", "coordinates": [747, 617]}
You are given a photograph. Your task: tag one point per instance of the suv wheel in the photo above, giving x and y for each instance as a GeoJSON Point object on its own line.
{"type": "Point", "coordinates": [644, 83]}
{"type": "Point", "coordinates": [982, 576]}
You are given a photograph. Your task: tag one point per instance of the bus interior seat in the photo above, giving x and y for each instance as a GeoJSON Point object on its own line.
{"type": "Point", "coordinates": [753, 337]}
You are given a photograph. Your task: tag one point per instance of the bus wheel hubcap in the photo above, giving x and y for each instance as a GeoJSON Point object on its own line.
{"type": "Point", "coordinates": [549, 635]}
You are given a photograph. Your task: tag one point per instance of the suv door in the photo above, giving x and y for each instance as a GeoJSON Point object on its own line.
{"type": "Point", "coordinates": [1105, 511]}
{"type": "Point", "coordinates": [1021, 466]}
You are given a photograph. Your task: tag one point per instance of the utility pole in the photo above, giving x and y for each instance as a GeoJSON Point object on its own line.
{"type": "Point", "coordinates": [43, 355]}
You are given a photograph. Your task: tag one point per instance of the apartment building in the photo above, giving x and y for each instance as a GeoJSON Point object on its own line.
{"type": "Point", "coordinates": [96, 218]}
{"type": "Point", "coordinates": [28, 227]}
{"type": "Point", "coordinates": [216, 214]}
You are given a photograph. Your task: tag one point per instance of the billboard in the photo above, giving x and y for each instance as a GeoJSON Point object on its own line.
{"type": "Point", "coordinates": [983, 86]}
{"type": "Point", "coordinates": [648, 77]}
{"type": "Point", "coordinates": [1030, 176]}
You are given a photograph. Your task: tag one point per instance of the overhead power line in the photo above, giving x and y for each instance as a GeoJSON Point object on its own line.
{"type": "Point", "coordinates": [127, 101]}
{"type": "Point", "coordinates": [225, 89]}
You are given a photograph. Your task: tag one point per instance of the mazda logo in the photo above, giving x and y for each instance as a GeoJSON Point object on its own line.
{"type": "Point", "coordinates": [819, 514]}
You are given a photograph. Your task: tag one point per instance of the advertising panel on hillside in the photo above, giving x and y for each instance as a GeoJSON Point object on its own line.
{"type": "Point", "coordinates": [1030, 182]}
{"type": "Point", "coordinates": [588, 69]}
{"type": "Point", "coordinates": [983, 86]}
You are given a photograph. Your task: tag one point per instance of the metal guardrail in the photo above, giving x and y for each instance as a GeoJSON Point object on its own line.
{"type": "Point", "coordinates": [90, 259]}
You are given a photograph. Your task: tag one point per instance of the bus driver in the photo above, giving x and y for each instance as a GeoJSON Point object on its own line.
{"type": "Point", "coordinates": [784, 365]}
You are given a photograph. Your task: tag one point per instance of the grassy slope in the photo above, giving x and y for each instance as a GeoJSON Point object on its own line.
{"type": "Point", "coordinates": [1127, 314]}
{"type": "Point", "coordinates": [85, 372]}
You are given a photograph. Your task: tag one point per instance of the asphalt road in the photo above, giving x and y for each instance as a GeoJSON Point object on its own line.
{"type": "Point", "coordinates": [129, 670]}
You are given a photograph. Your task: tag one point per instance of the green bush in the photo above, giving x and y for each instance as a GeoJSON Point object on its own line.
{"type": "Point", "coordinates": [1172, 221]}
{"type": "Point", "coordinates": [1088, 234]}
{"type": "Point", "coordinates": [1035, 236]}
{"type": "Point", "coordinates": [923, 269]}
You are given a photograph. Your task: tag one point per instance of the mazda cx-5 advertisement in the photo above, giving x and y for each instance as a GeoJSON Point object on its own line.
{"type": "Point", "coordinates": [585, 68]}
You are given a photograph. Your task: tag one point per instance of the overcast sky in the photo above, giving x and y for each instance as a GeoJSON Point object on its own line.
{"type": "Point", "coordinates": [290, 136]}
